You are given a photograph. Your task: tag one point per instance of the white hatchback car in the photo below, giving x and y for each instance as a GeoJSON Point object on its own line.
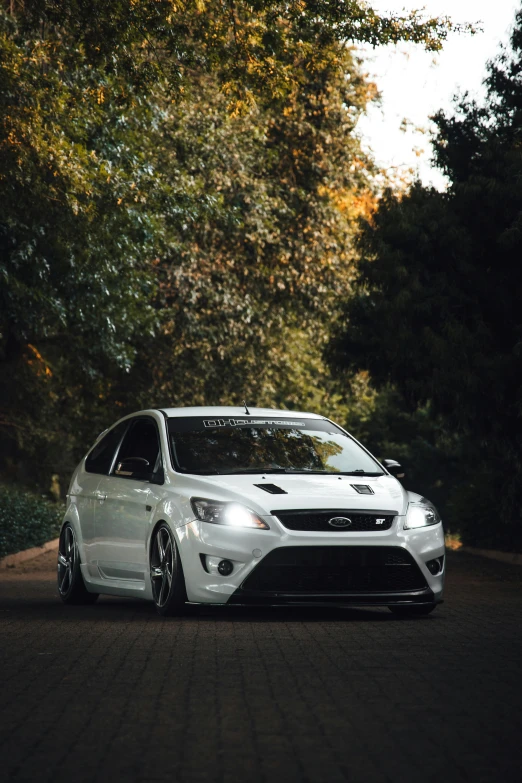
{"type": "Point", "coordinates": [225, 505]}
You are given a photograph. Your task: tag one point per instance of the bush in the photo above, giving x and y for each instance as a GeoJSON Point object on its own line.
{"type": "Point", "coordinates": [26, 520]}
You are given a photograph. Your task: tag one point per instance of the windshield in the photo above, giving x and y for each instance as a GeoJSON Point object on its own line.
{"type": "Point", "coordinates": [228, 446]}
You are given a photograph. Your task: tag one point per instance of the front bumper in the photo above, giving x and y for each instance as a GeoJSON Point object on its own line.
{"type": "Point", "coordinates": [353, 580]}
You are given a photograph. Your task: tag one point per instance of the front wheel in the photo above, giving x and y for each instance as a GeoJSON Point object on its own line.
{"type": "Point", "coordinates": [166, 574]}
{"type": "Point", "coordinates": [413, 611]}
{"type": "Point", "coordinates": [71, 586]}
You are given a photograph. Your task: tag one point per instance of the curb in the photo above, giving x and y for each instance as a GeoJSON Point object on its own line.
{"type": "Point", "coordinates": [513, 558]}
{"type": "Point", "coordinates": [9, 561]}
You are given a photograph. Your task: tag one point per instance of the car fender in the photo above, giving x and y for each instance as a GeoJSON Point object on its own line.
{"type": "Point", "coordinates": [167, 511]}
{"type": "Point", "coordinates": [413, 497]}
{"type": "Point", "coordinates": [170, 510]}
{"type": "Point", "coordinates": [72, 517]}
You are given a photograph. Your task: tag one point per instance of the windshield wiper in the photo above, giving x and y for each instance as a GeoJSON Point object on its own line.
{"type": "Point", "coordinates": [330, 472]}
{"type": "Point", "coordinates": [233, 472]}
{"type": "Point", "coordinates": [310, 470]}
{"type": "Point", "coordinates": [251, 470]}
{"type": "Point", "coordinates": [302, 471]}
{"type": "Point", "coordinates": [360, 473]}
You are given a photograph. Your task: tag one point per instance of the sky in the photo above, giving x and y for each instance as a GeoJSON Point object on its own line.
{"type": "Point", "coordinates": [414, 83]}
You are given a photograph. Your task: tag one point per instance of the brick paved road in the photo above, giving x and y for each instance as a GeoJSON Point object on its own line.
{"type": "Point", "coordinates": [113, 692]}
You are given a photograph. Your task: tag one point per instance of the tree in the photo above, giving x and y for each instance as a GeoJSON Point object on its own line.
{"type": "Point", "coordinates": [105, 225]}
{"type": "Point", "coordinates": [437, 307]}
{"type": "Point", "coordinates": [281, 186]}
{"type": "Point", "coordinates": [75, 235]}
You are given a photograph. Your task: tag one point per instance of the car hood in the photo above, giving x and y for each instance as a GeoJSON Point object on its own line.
{"type": "Point", "coordinates": [306, 492]}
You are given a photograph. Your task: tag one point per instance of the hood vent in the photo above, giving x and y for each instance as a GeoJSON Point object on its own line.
{"type": "Point", "coordinates": [272, 489]}
{"type": "Point", "coordinates": [363, 489]}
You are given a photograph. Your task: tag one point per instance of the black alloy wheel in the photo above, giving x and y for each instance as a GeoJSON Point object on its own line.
{"type": "Point", "coordinates": [71, 586]}
{"type": "Point", "coordinates": [166, 573]}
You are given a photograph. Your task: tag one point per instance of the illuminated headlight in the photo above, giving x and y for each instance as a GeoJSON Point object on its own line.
{"type": "Point", "coordinates": [421, 515]}
{"type": "Point", "coordinates": [230, 514]}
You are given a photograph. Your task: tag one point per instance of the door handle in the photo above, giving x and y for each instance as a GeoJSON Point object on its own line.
{"type": "Point", "coordinates": [101, 496]}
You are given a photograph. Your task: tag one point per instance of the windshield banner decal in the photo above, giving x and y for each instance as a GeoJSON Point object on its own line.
{"type": "Point", "coordinates": [251, 423]}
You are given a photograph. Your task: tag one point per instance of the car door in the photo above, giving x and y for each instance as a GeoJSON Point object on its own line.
{"type": "Point", "coordinates": [123, 508]}
{"type": "Point", "coordinates": [84, 490]}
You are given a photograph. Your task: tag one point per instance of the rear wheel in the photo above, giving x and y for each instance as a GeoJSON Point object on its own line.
{"type": "Point", "coordinates": [71, 586]}
{"type": "Point", "coordinates": [413, 611]}
{"type": "Point", "coordinates": [166, 574]}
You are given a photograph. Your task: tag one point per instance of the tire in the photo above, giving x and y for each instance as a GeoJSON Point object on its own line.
{"type": "Point", "coordinates": [71, 587]}
{"type": "Point", "coordinates": [413, 611]}
{"type": "Point", "coordinates": [166, 574]}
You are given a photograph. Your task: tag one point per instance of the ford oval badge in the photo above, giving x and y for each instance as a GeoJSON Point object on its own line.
{"type": "Point", "coordinates": [339, 522]}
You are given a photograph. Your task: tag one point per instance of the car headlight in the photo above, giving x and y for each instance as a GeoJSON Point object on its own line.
{"type": "Point", "coordinates": [230, 514]}
{"type": "Point", "coordinates": [421, 514]}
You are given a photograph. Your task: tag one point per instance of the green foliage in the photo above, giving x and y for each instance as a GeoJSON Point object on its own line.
{"type": "Point", "coordinates": [251, 42]}
{"type": "Point", "coordinates": [437, 305]}
{"type": "Point", "coordinates": [62, 172]}
{"type": "Point", "coordinates": [265, 246]}
{"type": "Point", "coordinates": [179, 188]}
{"type": "Point", "coordinates": [26, 520]}
{"type": "Point", "coordinates": [76, 234]}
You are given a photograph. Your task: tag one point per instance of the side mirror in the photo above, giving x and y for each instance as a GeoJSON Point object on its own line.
{"type": "Point", "coordinates": [394, 467]}
{"type": "Point", "coordinates": [133, 466]}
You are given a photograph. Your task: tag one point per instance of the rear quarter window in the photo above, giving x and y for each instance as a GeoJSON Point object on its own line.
{"type": "Point", "coordinates": [101, 456]}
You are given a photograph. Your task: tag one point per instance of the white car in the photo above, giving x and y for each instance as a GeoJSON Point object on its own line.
{"type": "Point", "coordinates": [225, 505]}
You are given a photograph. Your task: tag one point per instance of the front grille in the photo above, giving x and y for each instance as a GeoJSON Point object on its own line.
{"type": "Point", "coordinates": [360, 521]}
{"type": "Point", "coordinates": [336, 569]}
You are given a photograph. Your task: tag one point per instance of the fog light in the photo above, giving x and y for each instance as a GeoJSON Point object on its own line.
{"type": "Point", "coordinates": [217, 565]}
{"type": "Point", "coordinates": [435, 566]}
{"type": "Point", "coordinates": [225, 567]}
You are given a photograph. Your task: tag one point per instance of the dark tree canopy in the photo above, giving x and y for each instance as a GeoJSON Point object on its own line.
{"type": "Point", "coordinates": [437, 306]}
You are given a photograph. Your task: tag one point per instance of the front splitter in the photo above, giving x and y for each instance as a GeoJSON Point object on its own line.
{"type": "Point", "coordinates": [253, 598]}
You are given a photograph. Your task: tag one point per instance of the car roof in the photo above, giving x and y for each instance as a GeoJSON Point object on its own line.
{"type": "Point", "coordinates": [236, 410]}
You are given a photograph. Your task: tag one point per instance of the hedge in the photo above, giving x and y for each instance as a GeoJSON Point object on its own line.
{"type": "Point", "coordinates": [26, 520]}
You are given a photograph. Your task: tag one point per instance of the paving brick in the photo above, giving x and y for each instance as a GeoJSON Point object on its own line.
{"type": "Point", "coordinates": [114, 692]}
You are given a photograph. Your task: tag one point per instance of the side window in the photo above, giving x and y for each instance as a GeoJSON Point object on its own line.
{"type": "Point", "coordinates": [140, 451]}
{"type": "Point", "coordinates": [101, 456]}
